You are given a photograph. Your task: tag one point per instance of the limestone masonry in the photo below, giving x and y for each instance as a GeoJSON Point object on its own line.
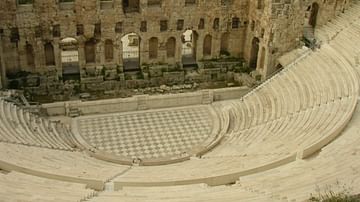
{"type": "Point", "coordinates": [111, 44]}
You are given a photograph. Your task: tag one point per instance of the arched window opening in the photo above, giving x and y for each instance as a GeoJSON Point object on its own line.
{"type": "Point", "coordinates": [109, 50]}
{"type": "Point", "coordinates": [49, 54]}
{"type": "Point", "coordinates": [90, 54]}
{"type": "Point", "coordinates": [30, 56]}
{"type": "Point", "coordinates": [224, 46]}
{"type": "Point", "coordinates": [314, 14]}
{"type": "Point", "coordinates": [130, 6]}
{"type": "Point", "coordinates": [207, 45]}
{"type": "Point", "coordinates": [171, 47]}
{"type": "Point", "coordinates": [153, 48]}
{"type": "Point", "coordinates": [254, 53]}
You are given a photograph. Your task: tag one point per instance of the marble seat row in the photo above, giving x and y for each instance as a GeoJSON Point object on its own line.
{"type": "Point", "coordinates": [273, 130]}
{"type": "Point", "coordinates": [198, 193]}
{"type": "Point", "coordinates": [22, 127]}
{"type": "Point", "coordinates": [335, 168]}
{"type": "Point", "coordinates": [293, 115]}
{"type": "Point", "coordinates": [72, 166]}
{"type": "Point", "coordinates": [16, 187]}
{"type": "Point", "coordinates": [300, 92]}
{"type": "Point", "coordinates": [330, 30]}
{"type": "Point", "coordinates": [297, 130]}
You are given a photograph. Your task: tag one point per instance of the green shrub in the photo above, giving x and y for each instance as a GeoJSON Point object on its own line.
{"type": "Point", "coordinates": [328, 195]}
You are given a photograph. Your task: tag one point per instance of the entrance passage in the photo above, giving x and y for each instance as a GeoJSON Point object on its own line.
{"type": "Point", "coordinates": [70, 59]}
{"type": "Point", "coordinates": [254, 53]}
{"type": "Point", "coordinates": [313, 15]}
{"type": "Point", "coordinates": [189, 43]}
{"type": "Point", "coordinates": [131, 52]}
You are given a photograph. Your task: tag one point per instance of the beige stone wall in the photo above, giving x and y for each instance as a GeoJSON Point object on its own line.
{"type": "Point", "coordinates": [278, 24]}
{"type": "Point", "coordinates": [46, 14]}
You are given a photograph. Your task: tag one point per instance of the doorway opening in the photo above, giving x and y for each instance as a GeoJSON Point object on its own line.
{"type": "Point", "coordinates": [70, 59]}
{"type": "Point", "coordinates": [189, 45]}
{"type": "Point", "coordinates": [254, 53]}
{"type": "Point", "coordinates": [131, 52]}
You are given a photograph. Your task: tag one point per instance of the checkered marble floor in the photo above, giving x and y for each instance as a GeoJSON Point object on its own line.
{"type": "Point", "coordinates": [149, 134]}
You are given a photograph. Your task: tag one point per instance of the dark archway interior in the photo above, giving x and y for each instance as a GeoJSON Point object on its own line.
{"type": "Point", "coordinates": [313, 15]}
{"type": "Point", "coordinates": [254, 53]}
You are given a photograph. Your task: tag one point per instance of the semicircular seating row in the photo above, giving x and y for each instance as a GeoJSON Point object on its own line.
{"type": "Point", "coordinates": [22, 127]}
{"type": "Point", "coordinates": [335, 168]}
{"type": "Point", "coordinates": [293, 114]}
{"type": "Point", "coordinates": [16, 186]}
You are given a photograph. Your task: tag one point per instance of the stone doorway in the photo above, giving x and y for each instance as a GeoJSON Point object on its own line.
{"type": "Point", "coordinates": [254, 53]}
{"type": "Point", "coordinates": [313, 15]}
{"type": "Point", "coordinates": [224, 46]}
{"type": "Point", "coordinates": [189, 45]}
{"type": "Point", "coordinates": [131, 52]}
{"type": "Point", "coordinates": [70, 59]}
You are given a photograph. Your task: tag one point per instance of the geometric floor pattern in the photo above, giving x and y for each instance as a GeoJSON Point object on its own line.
{"type": "Point", "coordinates": [148, 134]}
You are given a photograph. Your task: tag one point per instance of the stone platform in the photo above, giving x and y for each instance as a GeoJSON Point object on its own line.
{"type": "Point", "coordinates": [165, 135]}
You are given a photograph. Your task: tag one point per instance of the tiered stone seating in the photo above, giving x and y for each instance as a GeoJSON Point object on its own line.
{"type": "Point", "coordinates": [21, 127]}
{"type": "Point", "coordinates": [266, 145]}
{"type": "Point", "coordinates": [296, 113]}
{"type": "Point", "coordinates": [306, 107]}
{"type": "Point", "coordinates": [15, 187]}
{"type": "Point", "coordinates": [337, 166]}
{"type": "Point", "coordinates": [327, 92]}
{"type": "Point", "coordinates": [346, 45]}
{"type": "Point", "coordinates": [58, 164]}
{"type": "Point", "coordinates": [333, 28]}
{"type": "Point", "coordinates": [198, 193]}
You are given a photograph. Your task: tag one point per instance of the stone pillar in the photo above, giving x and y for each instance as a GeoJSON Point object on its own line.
{"type": "Point", "coordinates": [57, 54]}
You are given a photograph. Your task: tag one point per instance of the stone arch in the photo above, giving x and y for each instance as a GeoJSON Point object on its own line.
{"type": "Point", "coordinates": [207, 46]}
{"type": "Point", "coordinates": [49, 54]}
{"type": "Point", "coordinates": [30, 60]}
{"type": "Point", "coordinates": [189, 46]}
{"type": "Point", "coordinates": [90, 55]}
{"type": "Point", "coordinates": [109, 50]}
{"type": "Point", "coordinates": [314, 14]}
{"type": "Point", "coordinates": [171, 47]}
{"type": "Point", "coordinates": [254, 53]}
{"type": "Point", "coordinates": [70, 59]}
{"type": "Point", "coordinates": [131, 51]}
{"type": "Point", "coordinates": [153, 47]}
{"type": "Point", "coordinates": [224, 44]}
